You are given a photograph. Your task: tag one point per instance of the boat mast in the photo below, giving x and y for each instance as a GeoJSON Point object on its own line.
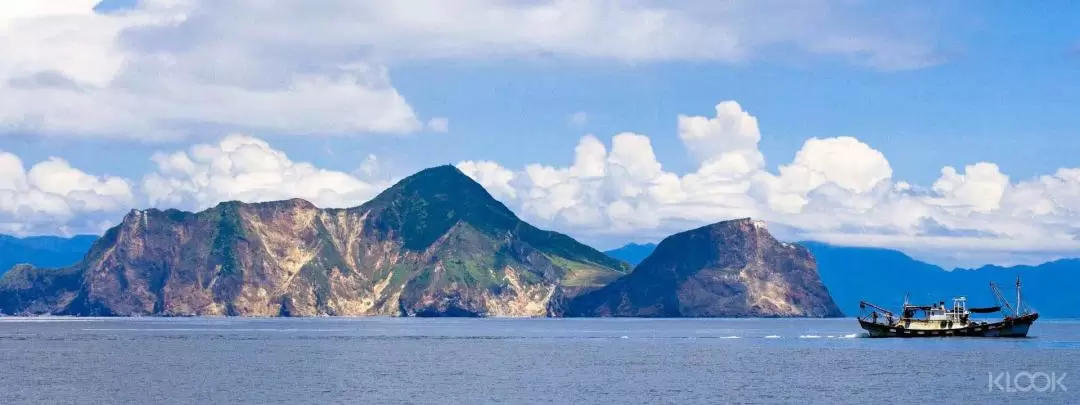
{"type": "Point", "coordinates": [1018, 295]}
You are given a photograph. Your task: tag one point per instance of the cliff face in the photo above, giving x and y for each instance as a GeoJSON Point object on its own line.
{"type": "Point", "coordinates": [729, 269]}
{"type": "Point", "coordinates": [435, 244]}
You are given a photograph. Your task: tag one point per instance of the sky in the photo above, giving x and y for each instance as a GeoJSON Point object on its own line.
{"type": "Point", "coordinates": [947, 130]}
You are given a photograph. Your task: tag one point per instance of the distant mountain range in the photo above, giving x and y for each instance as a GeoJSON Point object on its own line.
{"type": "Point", "coordinates": [45, 251]}
{"type": "Point", "coordinates": [884, 276]}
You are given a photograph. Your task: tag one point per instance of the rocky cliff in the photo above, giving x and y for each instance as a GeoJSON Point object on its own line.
{"type": "Point", "coordinates": [435, 244]}
{"type": "Point", "coordinates": [729, 269]}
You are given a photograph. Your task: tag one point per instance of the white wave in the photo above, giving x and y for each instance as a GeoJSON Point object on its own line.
{"type": "Point", "coordinates": [772, 337]}
{"type": "Point", "coordinates": [809, 337]}
{"type": "Point", "coordinates": [729, 337]}
{"type": "Point", "coordinates": [850, 336]}
{"type": "Point", "coordinates": [624, 337]}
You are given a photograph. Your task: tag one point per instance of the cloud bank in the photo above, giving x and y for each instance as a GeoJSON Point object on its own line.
{"type": "Point", "coordinates": [837, 190]}
{"type": "Point", "coordinates": [167, 69]}
{"type": "Point", "coordinates": [52, 196]}
{"type": "Point", "coordinates": [244, 168]}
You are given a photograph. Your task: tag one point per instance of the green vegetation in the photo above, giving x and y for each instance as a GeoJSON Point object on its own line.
{"type": "Point", "coordinates": [178, 216]}
{"type": "Point", "coordinates": [478, 271]}
{"type": "Point", "coordinates": [229, 231]}
{"type": "Point", "coordinates": [580, 274]}
{"type": "Point", "coordinates": [424, 206]}
{"type": "Point", "coordinates": [399, 274]}
{"type": "Point", "coordinates": [555, 243]}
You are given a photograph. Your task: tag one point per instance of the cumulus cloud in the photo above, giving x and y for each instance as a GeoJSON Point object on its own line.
{"type": "Point", "coordinates": [248, 169]}
{"type": "Point", "coordinates": [168, 67]}
{"type": "Point", "coordinates": [846, 163]}
{"type": "Point", "coordinates": [979, 189]}
{"type": "Point", "coordinates": [53, 196]}
{"type": "Point", "coordinates": [728, 142]}
{"type": "Point", "coordinates": [618, 191]}
{"type": "Point", "coordinates": [164, 68]}
{"type": "Point", "coordinates": [837, 190]}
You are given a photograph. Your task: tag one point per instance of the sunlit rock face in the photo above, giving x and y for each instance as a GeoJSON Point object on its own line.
{"type": "Point", "coordinates": [728, 269]}
{"type": "Point", "coordinates": [435, 244]}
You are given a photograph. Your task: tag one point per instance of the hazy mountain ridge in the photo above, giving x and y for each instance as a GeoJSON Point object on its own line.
{"type": "Point", "coordinates": [885, 276]}
{"type": "Point", "coordinates": [632, 253]}
{"type": "Point", "coordinates": [44, 251]}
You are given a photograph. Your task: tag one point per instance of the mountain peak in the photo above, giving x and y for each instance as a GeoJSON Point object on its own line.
{"type": "Point", "coordinates": [741, 222]}
{"type": "Point", "coordinates": [730, 227]}
{"type": "Point", "coordinates": [729, 268]}
{"type": "Point", "coordinates": [445, 174]}
{"type": "Point", "coordinates": [444, 181]}
{"type": "Point", "coordinates": [424, 206]}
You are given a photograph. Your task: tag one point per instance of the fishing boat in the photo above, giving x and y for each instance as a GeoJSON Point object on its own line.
{"type": "Point", "coordinates": [937, 320]}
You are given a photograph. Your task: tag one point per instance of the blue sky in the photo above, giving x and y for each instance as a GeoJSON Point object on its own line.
{"type": "Point", "coordinates": [1006, 93]}
{"type": "Point", "coordinates": [929, 85]}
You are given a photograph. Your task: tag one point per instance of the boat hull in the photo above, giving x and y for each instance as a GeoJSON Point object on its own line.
{"type": "Point", "coordinates": [1014, 328]}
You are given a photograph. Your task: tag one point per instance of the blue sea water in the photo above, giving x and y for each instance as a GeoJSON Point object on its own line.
{"type": "Point", "coordinates": [518, 361]}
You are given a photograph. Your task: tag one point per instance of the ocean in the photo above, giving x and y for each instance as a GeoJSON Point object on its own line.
{"type": "Point", "coordinates": [522, 361]}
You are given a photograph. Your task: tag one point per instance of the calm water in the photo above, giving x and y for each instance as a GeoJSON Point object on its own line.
{"type": "Point", "coordinates": [552, 361]}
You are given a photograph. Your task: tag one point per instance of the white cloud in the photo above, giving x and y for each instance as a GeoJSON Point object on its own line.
{"type": "Point", "coordinates": [618, 191]}
{"type": "Point", "coordinates": [837, 190]}
{"type": "Point", "coordinates": [171, 68]}
{"type": "Point", "coordinates": [161, 70]}
{"type": "Point", "coordinates": [244, 168]}
{"type": "Point", "coordinates": [635, 30]}
{"type": "Point", "coordinates": [495, 178]}
{"type": "Point", "coordinates": [52, 196]}
{"type": "Point", "coordinates": [727, 142]}
{"type": "Point", "coordinates": [979, 189]}
{"type": "Point", "coordinates": [845, 162]}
